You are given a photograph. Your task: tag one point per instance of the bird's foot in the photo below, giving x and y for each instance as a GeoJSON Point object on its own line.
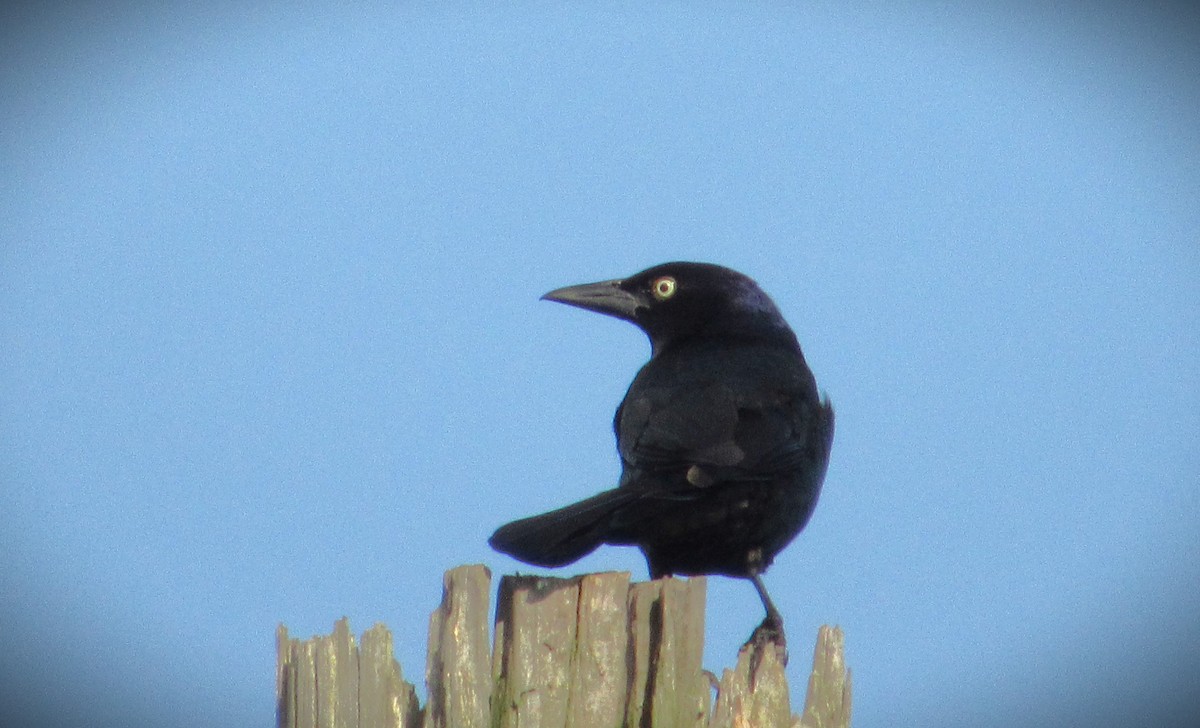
{"type": "Point", "coordinates": [766, 636]}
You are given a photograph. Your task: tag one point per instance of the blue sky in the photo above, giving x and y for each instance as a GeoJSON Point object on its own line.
{"type": "Point", "coordinates": [271, 347]}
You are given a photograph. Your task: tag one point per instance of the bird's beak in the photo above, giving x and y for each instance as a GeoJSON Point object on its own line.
{"type": "Point", "coordinates": [606, 297]}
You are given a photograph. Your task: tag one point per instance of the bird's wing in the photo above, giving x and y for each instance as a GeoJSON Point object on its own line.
{"type": "Point", "coordinates": [668, 428]}
{"type": "Point", "coordinates": [683, 440]}
{"type": "Point", "coordinates": [787, 436]}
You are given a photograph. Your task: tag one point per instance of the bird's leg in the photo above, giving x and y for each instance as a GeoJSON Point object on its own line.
{"type": "Point", "coordinates": [770, 632]}
{"type": "Point", "coordinates": [773, 615]}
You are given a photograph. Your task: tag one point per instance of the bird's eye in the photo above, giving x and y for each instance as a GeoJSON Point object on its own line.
{"type": "Point", "coordinates": [663, 288]}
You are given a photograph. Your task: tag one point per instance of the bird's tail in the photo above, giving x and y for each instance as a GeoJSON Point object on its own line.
{"type": "Point", "coordinates": [560, 536]}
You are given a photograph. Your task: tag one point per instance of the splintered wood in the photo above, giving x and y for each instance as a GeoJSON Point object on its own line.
{"type": "Point", "coordinates": [593, 650]}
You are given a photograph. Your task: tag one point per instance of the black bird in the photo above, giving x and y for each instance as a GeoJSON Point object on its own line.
{"type": "Point", "coordinates": [723, 437]}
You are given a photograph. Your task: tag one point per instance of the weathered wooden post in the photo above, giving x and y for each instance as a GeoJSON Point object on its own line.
{"type": "Point", "coordinates": [592, 650]}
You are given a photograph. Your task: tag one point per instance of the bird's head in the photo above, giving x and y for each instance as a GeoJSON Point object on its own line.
{"type": "Point", "coordinates": [673, 302]}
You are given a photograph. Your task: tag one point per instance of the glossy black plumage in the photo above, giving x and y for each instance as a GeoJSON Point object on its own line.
{"type": "Point", "coordinates": [723, 438]}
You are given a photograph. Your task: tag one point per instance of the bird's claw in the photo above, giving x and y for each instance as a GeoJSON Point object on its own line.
{"type": "Point", "coordinates": [770, 632]}
{"type": "Point", "coordinates": [767, 636]}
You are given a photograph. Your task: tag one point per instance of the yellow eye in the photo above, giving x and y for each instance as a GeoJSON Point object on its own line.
{"type": "Point", "coordinates": [663, 288]}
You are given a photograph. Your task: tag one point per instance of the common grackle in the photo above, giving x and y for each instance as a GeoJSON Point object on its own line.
{"type": "Point", "coordinates": [723, 437]}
